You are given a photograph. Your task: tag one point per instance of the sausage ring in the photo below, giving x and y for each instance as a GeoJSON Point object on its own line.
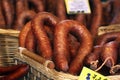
{"type": "Point", "coordinates": [61, 52]}
{"type": "Point", "coordinates": [41, 35]}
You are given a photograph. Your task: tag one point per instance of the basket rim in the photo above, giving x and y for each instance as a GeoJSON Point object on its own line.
{"type": "Point", "coordinates": [9, 32]}
{"type": "Point", "coordinates": [52, 73]}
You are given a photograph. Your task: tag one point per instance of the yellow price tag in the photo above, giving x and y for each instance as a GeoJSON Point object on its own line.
{"type": "Point", "coordinates": [88, 74]}
{"type": "Point", "coordinates": [77, 6]}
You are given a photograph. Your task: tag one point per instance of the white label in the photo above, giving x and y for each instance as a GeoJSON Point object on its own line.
{"type": "Point", "coordinates": [77, 6]}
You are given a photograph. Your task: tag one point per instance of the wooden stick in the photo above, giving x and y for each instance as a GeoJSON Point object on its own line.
{"type": "Point", "coordinates": [34, 56]}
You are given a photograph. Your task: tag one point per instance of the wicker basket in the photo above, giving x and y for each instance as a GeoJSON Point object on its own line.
{"type": "Point", "coordinates": [41, 72]}
{"type": "Point", "coordinates": [8, 45]}
{"type": "Point", "coordinates": [8, 56]}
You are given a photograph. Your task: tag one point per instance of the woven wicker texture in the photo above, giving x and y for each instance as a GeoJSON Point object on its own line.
{"type": "Point", "coordinates": [40, 72]}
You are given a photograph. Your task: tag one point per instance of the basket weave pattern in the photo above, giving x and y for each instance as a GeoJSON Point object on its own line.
{"type": "Point", "coordinates": [8, 56]}
{"type": "Point", "coordinates": [8, 45]}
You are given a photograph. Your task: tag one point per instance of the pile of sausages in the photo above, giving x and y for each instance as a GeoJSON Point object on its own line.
{"type": "Point", "coordinates": [48, 36]}
{"type": "Point", "coordinates": [105, 53]}
{"type": "Point", "coordinates": [13, 72]}
{"type": "Point", "coordinates": [69, 44]}
{"type": "Point", "coordinates": [46, 29]}
{"type": "Point", "coordinates": [16, 13]}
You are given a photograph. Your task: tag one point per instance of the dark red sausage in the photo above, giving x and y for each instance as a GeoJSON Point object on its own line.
{"type": "Point", "coordinates": [73, 45]}
{"type": "Point", "coordinates": [110, 50]}
{"type": "Point", "coordinates": [20, 72]}
{"type": "Point", "coordinates": [96, 17]}
{"type": "Point", "coordinates": [50, 6]}
{"type": "Point", "coordinates": [2, 20]}
{"type": "Point", "coordinates": [93, 58]}
{"type": "Point", "coordinates": [23, 18]}
{"type": "Point", "coordinates": [107, 12]}
{"type": "Point", "coordinates": [23, 34]}
{"type": "Point", "coordinates": [100, 41]}
{"type": "Point", "coordinates": [111, 36]}
{"type": "Point", "coordinates": [20, 6]}
{"type": "Point", "coordinates": [30, 42]}
{"type": "Point", "coordinates": [61, 50]}
{"type": "Point", "coordinates": [116, 12]}
{"type": "Point", "coordinates": [81, 18]}
{"type": "Point", "coordinates": [41, 35]}
{"type": "Point", "coordinates": [8, 13]}
{"type": "Point", "coordinates": [9, 69]}
{"type": "Point", "coordinates": [61, 10]}
{"type": "Point", "coordinates": [39, 5]}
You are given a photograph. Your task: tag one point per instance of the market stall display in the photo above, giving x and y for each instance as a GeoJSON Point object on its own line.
{"type": "Point", "coordinates": [44, 28]}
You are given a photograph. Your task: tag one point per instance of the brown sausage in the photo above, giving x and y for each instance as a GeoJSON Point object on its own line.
{"type": "Point", "coordinates": [100, 41]}
{"type": "Point", "coordinates": [8, 13]}
{"type": "Point", "coordinates": [61, 51]}
{"type": "Point", "coordinates": [23, 34]}
{"type": "Point", "coordinates": [116, 12]}
{"type": "Point", "coordinates": [60, 9]}
{"type": "Point", "coordinates": [96, 17]}
{"type": "Point", "coordinates": [40, 34]}
{"type": "Point", "coordinates": [107, 13]}
{"type": "Point", "coordinates": [81, 18]}
{"type": "Point", "coordinates": [8, 69]}
{"type": "Point", "coordinates": [20, 72]}
{"type": "Point", "coordinates": [23, 18]}
{"type": "Point", "coordinates": [20, 6]}
{"type": "Point", "coordinates": [93, 58]}
{"type": "Point", "coordinates": [114, 69]}
{"type": "Point", "coordinates": [110, 50]}
{"type": "Point", "coordinates": [50, 6]}
{"type": "Point", "coordinates": [2, 20]}
{"type": "Point", "coordinates": [30, 42]}
{"type": "Point", "coordinates": [39, 5]}
{"type": "Point", "coordinates": [73, 45]}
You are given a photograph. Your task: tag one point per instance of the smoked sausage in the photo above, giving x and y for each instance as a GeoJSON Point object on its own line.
{"type": "Point", "coordinates": [9, 69]}
{"type": "Point", "coordinates": [20, 72]}
{"type": "Point", "coordinates": [23, 18]}
{"type": "Point", "coordinates": [61, 51]}
{"type": "Point", "coordinates": [96, 17]}
{"type": "Point", "coordinates": [8, 13]}
{"type": "Point", "coordinates": [40, 34]}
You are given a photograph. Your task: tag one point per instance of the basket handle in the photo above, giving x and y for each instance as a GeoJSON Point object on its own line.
{"type": "Point", "coordinates": [47, 63]}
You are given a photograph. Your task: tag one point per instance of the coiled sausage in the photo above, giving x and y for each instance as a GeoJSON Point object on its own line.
{"type": "Point", "coordinates": [23, 34]}
{"type": "Point", "coordinates": [30, 42]}
{"type": "Point", "coordinates": [40, 34]}
{"type": "Point", "coordinates": [61, 51]}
